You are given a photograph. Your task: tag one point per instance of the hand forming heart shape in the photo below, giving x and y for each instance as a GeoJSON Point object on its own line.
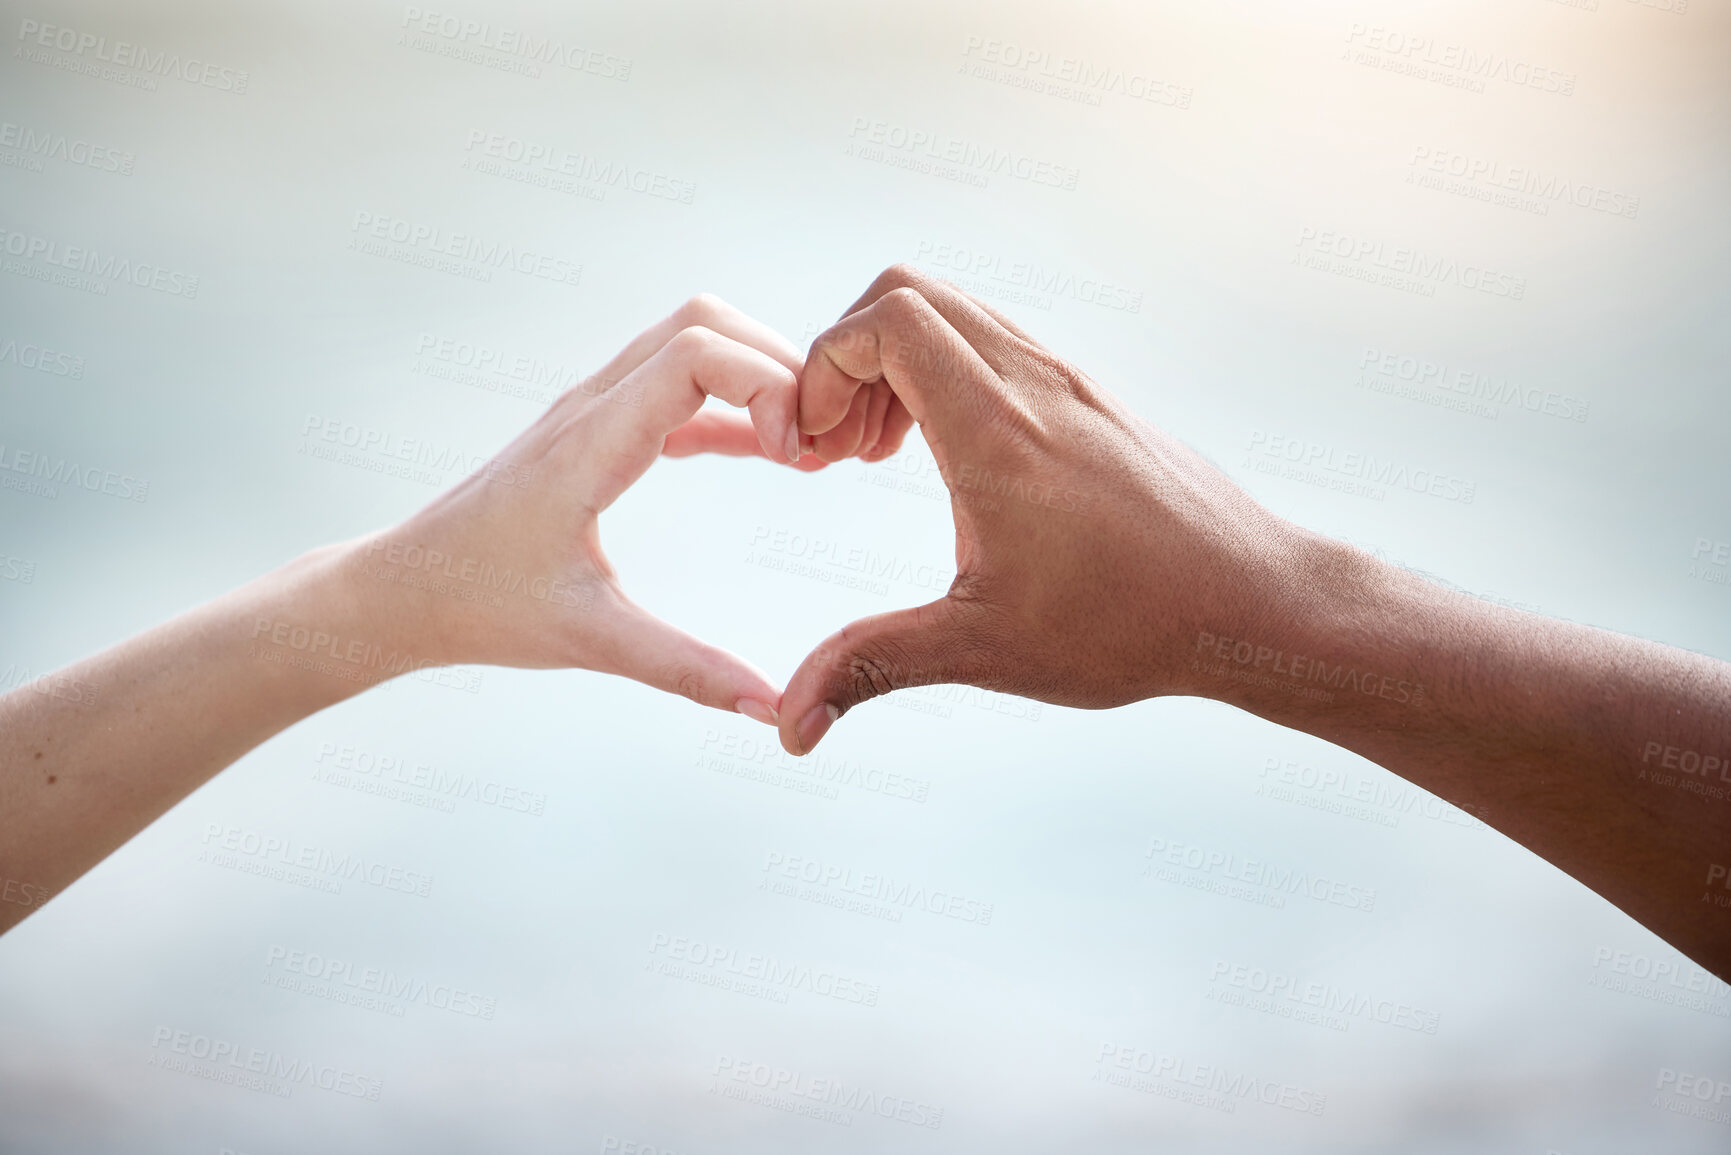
{"type": "Point", "coordinates": [506, 568]}
{"type": "Point", "coordinates": [1060, 547]}
{"type": "Point", "coordinates": [1098, 561]}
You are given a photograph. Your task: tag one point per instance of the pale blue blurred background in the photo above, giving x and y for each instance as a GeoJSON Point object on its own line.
{"type": "Point", "coordinates": [1236, 171]}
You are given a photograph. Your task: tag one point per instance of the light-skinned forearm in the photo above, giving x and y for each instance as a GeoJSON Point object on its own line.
{"type": "Point", "coordinates": [1602, 753]}
{"type": "Point", "coordinates": [505, 568]}
{"type": "Point", "coordinates": [97, 751]}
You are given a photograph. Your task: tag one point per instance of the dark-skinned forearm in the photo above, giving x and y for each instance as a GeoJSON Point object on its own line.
{"type": "Point", "coordinates": [1601, 753]}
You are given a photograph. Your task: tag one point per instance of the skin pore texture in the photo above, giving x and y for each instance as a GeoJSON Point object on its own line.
{"type": "Point", "coordinates": [1099, 562]}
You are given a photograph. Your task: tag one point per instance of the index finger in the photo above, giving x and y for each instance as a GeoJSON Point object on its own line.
{"type": "Point", "coordinates": [704, 311]}
{"type": "Point", "coordinates": [918, 323]}
{"type": "Point", "coordinates": [899, 338]}
{"type": "Point", "coordinates": [621, 440]}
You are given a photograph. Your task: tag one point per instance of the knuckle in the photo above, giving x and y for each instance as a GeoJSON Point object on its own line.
{"type": "Point", "coordinates": [694, 341]}
{"type": "Point", "coordinates": [908, 323]}
{"type": "Point", "coordinates": [687, 683]}
{"type": "Point", "coordinates": [1071, 379]}
{"type": "Point", "coordinates": [847, 336]}
{"type": "Point", "coordinates": [902, 274]}
{"type": "Point", "coordinates": [903, 302]}
{"type": "Point", "coordinates": [702, 309]}
{"type": "Point", "coordinates": [869, 676]}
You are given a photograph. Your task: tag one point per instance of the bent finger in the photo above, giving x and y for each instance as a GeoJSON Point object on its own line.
{"type": "Point", "coordinates": [899, 339]}
{"type": "Point", "coordinates": [704, 310]}
{"type": "Point", "coordinates": [615, 442]}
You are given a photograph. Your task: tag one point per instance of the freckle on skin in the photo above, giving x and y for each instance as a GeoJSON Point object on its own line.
{"type": "Point", "coordinates": [52, 779]}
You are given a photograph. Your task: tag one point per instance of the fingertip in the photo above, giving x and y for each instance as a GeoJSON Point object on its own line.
{"type": "Point", "coordinates": [826, 394]}
{"type": "Point", "coordinates": [758, 711]}
{"type": "Point", "coordinates": [815, 725]}
{"type": "Point", "coordinates": [801, 738]}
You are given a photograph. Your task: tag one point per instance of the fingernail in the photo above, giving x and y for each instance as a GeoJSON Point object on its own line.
{"type": "Point", "coordinates": [758, 711]}
{"type": "Point", "coordinates": [791, 448]}
{"type": "Point", "coordinates": [816, 724]}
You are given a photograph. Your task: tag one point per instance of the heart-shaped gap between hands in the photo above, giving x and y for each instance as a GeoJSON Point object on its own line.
{"type": "Point", "coordinates": [1089, 544]}
{"type": "Point", "coordinates": [506, 568]}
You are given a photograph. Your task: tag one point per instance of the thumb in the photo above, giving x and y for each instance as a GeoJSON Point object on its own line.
{"type": "Point", "coordinates": [913, 647]}
{"type": "Point", "coordinates": [643, 647]}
